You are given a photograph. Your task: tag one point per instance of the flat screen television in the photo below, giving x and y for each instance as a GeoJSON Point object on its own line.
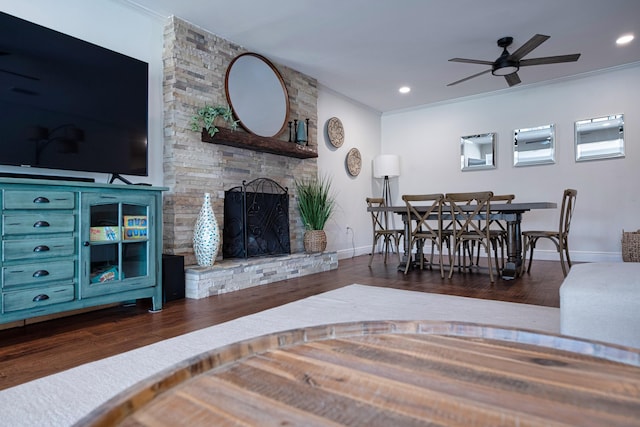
{"type": "Point", "coordinates": [69, 104]}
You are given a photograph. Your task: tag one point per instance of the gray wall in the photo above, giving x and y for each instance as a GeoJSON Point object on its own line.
{"type": "Point", "coordinates": [427, 140]}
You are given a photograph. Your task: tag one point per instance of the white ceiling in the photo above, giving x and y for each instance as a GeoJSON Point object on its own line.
{"type": "Point", "coordinates": [367, 49]}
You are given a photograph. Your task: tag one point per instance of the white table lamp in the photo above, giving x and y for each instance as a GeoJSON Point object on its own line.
{"type": "Point", "coordinates": [386, 166]}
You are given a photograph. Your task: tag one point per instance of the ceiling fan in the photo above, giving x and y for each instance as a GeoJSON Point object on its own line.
{"type": "Point", "coordinates": [508, 64]}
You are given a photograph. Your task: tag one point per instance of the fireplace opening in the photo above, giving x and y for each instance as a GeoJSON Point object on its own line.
{"type": "Point", "coordinates": [256, 220]}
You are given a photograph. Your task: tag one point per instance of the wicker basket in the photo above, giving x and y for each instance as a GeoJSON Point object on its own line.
{"type": "Point", "coordinates": [315, 241]}
{"type": "Point", "coordinates": [631, 246]}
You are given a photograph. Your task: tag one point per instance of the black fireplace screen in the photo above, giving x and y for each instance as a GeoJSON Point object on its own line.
{"type": "Point", "coordinates": [256, 220]}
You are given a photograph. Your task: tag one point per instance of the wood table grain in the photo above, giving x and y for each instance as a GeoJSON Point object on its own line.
{"type": "Point", "coordinates": [391, 373]}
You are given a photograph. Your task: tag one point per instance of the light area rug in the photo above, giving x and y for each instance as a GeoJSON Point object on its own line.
{"type": "Point", "coordinates": [62, 399]}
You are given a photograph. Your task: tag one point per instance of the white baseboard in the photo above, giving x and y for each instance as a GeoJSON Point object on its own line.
{"type": "Point", "coordinates": [541, 254]}
{"type": "Point", "coordinates": [579, 256]}
{"type": "Point", "coordinates": [353, 252]}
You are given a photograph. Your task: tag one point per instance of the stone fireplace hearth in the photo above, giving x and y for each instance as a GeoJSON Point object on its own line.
{"type": "Point", "coordinates": [235, 274]}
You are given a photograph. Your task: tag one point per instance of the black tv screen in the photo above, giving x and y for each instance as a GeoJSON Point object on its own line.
{"type": "Point", "coordinates": [69, 104]}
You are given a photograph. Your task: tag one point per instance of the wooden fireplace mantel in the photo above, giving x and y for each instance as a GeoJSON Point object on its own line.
{"type": "Point", "coordinates": [242, 139]}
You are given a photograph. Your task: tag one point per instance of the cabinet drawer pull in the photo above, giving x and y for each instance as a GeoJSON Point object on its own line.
{"type": "Point", "coordinates": [40, 224]}
{"type": "Point", "coordinates": [41, 273]}
{"type": "Point", "coordinates": [41, 297]}
{"type": "Point", "coordinates": [41, 248]}
{"type": "Point", "coordinates": [40, 200]}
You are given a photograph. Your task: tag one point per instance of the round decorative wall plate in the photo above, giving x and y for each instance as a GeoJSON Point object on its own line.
{"type": "Point", "coordinates": [335, 132]}
{"type": "Point", "coordinates": [354, 162]}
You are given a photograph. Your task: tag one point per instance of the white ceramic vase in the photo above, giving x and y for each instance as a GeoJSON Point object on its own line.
{"type": "Point", "coordinates": [206, 235]}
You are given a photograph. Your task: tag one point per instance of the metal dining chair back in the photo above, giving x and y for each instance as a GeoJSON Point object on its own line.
{"type": "Point", "coordinates": [471, 212]}
{"type": "Point", "coordinates": [559, 237]}
{"type": "Point", "coordinates": [421, 211]}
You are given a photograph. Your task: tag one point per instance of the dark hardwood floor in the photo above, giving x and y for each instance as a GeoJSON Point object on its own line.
{"type": "Point", "coordinates": [41, 349]}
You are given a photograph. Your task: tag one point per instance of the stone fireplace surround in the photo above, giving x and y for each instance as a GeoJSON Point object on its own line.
{"type": "Point", "coordinates": [195, 63]}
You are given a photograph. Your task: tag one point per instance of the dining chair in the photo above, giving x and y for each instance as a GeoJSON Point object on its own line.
{"type": "Point", "coordinates": [421, 210]}
{"type": "Point", "coordinates": [381, 230]}
{"type": "Point", "coordinates": [499, 229]}
{"type": "Point", "coordinates": [468, 248]}
{"type": "Point", "coordinates": [559, 237]}
{"type": "Point", "coordinates": [471, 226]}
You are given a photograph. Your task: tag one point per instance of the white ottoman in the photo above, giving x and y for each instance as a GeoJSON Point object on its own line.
{"type": "Point", "coordinates": [601, 301]}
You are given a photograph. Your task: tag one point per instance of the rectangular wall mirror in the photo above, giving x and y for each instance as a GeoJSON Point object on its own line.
{"type": "Point", "coordinates": [478, 151]}
{"type": "Point", "coordinates": [534, 146]}
{"type": "Point", "coordinates": [600, 138]}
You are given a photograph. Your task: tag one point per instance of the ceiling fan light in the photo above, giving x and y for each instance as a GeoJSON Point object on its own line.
{"type": "Point", "coordinates": [504, 67]}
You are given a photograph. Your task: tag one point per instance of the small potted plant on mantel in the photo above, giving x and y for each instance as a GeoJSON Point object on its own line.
{"type": "Point", "coordinates": [207, 115]}
{"type": "Point", "coordinates": [316, 204]}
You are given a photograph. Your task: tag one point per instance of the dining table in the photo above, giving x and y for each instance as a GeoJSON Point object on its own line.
{"type": "Point", "coordinates": [510, 213]}
{"type": "Point", "coordinates": [390, 373]}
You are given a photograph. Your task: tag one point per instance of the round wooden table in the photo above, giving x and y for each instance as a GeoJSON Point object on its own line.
{"type": "Point", "coordinates": [391, 373]}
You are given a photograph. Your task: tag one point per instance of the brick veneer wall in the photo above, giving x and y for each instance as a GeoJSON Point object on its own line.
{"type": "Point", "coordinates": [195, 63]}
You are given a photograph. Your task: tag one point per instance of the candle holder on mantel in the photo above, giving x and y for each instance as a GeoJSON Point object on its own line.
{"type": "Point", "coordinates": [301, 132]}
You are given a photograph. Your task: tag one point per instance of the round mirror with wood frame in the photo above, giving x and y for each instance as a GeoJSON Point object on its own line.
{"type": "Point", "coordinates": [257, 94]}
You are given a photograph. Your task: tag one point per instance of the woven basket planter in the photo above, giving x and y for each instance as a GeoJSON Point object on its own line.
{"type": "Point", "coordinates": [631, 246]}
{"type": "Point", "coordinates": [315, 241]}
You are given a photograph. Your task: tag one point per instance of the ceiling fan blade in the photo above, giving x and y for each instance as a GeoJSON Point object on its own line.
{"type": "Point", "coordinates": [512, 79]}
{"type": "Point", "coordinates": [531, 44]}
{"type": "Point", "coordinates": [469, 78]}
{"type": "Point", "coordinates": [550, 60]}
{"type": "Point", "coordinates": [471, 61]}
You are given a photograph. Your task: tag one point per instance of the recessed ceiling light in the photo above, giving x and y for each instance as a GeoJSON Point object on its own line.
{"type": "Point", "coordinates": [624, 39]}
{"type": "Point", "coordinates": [404, 89]}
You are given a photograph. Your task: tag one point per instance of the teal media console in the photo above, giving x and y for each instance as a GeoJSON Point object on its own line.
{"type": "Point", "coordinates": [71, 245]}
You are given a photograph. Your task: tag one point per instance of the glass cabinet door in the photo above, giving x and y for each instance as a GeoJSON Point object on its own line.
{"type": "Point", "coordinates": [117, 247]}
